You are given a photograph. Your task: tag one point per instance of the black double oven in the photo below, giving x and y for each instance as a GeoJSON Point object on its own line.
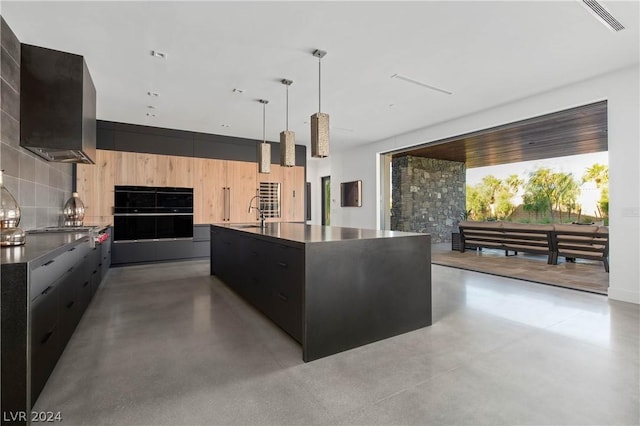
{"type": "Point", "coordinates": [152, 213]}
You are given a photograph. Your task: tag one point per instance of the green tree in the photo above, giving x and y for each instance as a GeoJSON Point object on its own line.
{"type": "Point", "coordinates": [514, 183]}
{"type": "Point", "coordinates": [490, 198]}
{"type": "Point", "coordinates": [597, 173]}
{"type": "Point", "coordinates": [555, 191]}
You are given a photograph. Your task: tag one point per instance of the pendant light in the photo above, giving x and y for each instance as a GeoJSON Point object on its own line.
{"type": "Point", "coordinates": [288, 137]}
{"type": "Point", "coordinates": [319, 120]}
{"type": "Point", "coordinates": [264, 153]}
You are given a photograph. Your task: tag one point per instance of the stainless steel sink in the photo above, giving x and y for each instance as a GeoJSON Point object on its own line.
{"type": "Point", "coordinates": [246, 226]}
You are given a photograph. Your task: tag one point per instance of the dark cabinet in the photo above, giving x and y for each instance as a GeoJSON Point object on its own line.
{"type": "Point", "coordinates": [61, 289]}
{"type": "Point", "coordinates": [45, 333]}
{"type": "Point", "coordinates": [267, 274]}
{"type": "Point", "coordinates": [70, 308]}
{"type": "Point", "coordinates": [145, 251]}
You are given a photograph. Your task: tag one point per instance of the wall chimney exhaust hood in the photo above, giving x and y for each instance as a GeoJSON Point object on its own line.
{"type": "Point", "coordinates": [57, 106]}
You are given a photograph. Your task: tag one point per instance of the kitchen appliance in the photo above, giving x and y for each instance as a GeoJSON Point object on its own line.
{"type": "Point", "coordinates": [57, 106]}
{"type": "Point", "coordinates": [152, 213]}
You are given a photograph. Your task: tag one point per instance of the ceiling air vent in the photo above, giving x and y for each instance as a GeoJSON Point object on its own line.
{"type": "Point", "coordinates": [603, 15]}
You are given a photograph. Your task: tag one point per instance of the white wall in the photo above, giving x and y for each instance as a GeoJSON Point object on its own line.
{"type": "Point", "coordinates": [621, 90]}
{"type": "Point", "coordinates": [316, 169]}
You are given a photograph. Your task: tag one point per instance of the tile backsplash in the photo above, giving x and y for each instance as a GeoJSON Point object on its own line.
{"type": "Point", "coordinates": [40, 187]}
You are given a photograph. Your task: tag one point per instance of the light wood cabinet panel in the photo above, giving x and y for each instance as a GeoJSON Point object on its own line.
{"type": "Point", "coordinates": [178, 170]}
{"type": "Point", "coordinates": [146, 170]}
{"type": "Point", "coordinates": [94, 185]}
{"type": "Point", "coordinates": [208, 177]}
{"type": "Point", "coordinates": [293, 194]}
{"type": "Point", "coordinates": [105, 174]}
{"type": "Point", "coordinates": [242, 182]}
{"type": "Point", "coordinates": [209, 183]}
{"type": "Point", "coordinates": [125, 164]}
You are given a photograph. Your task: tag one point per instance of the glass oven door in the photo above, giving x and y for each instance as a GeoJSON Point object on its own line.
{"type": "Point", "coordinates": [134, 227]}
{"type": "Point", "coordinates": [175, 226]}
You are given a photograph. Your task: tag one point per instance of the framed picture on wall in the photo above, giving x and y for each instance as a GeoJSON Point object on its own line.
{"type": "Point", "coordinates": [351, 194]}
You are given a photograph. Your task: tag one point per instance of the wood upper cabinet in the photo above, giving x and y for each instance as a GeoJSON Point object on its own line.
{"type": "Point", "coordinates": [94, 185]}
{"type": "Point", "coordinates": [134, 168]}
{"type": "Point", "coordinates": [222, 188]}
{"type": "Point", "coordinates": [293, 202]}
{"type": "Point", "coordinates": [242, 183]}
{"type": "Point", "coordinates": [209, 190]}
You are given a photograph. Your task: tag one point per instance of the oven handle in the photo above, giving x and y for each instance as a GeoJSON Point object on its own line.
{"type": "Point", "coordinates": [153, 214]}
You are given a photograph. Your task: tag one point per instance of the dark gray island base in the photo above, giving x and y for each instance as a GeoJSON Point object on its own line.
{"type": "Point", "coordinates": [330, 288]}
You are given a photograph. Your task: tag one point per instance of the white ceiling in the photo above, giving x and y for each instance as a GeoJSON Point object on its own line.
{"type": "Point", "coordinates": [486, 53]}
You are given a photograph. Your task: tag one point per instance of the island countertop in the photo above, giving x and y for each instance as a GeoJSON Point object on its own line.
{"type": "Point", "coordinates": [302, 233]}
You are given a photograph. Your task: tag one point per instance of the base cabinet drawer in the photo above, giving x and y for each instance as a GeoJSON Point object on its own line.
{"type": "Point", "coordinates": [45, 339]}
{"type": "Point", "coordinates": [70, 307]}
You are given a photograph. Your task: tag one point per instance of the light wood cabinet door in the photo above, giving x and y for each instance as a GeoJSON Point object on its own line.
{"type": "Point", "coordinates": [94, 184]}
{"type": "Point", "coordinates": [242, 184]}
{"type": "Point", "coordinates": [209, 190]}
{"type": "Point", "coordinates": [293, 184]}
{"type": "Point", "coordinates": [172, 170]}
{"type": "Point", "coordinates": [125, 164]}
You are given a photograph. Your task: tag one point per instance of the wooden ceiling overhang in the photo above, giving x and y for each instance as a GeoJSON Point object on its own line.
{"type": "Point", "coordinates": [574, 131]}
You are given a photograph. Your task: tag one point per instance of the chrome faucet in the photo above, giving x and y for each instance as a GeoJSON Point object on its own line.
{"type": "Point", "coordinates": [260, 212]}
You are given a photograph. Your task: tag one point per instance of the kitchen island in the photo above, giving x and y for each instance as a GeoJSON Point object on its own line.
{"type": "Point", "coordinates": [330, 288]}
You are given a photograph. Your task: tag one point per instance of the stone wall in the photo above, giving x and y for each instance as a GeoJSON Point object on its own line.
{"type": "Point", "coordinates": [427, 196]}
{"type": "Point", "coordinates": [40, 187]}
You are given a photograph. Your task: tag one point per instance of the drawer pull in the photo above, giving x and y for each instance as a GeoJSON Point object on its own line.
{"type": "Point", "coordinates": [48, 335]}
{"type": "Point", "coordinates": [71, 249]}
{"type": "Point", "coordinates": [283, 264]}
{"type": "Point", "coordinates": [283, 297]}
{"type": "Point", "coordinates": [86, 283]}
{"type": "Point", "coordinates": [94, 272]}
{"type": "Point", "coordinates": [49, 262]}
{"type": "Point", "coordinates": [70, 304]}
{"type": "Point", "coordinates": [46, 290]}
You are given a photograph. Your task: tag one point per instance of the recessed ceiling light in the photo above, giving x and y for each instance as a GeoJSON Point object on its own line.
{"type": "Point", "coordinates": [419, 83]}
{"type": "Point", "coordinates": [158, 54]}
{"type": "Point", "coordinates": [153, 94]}
{"type": "Point", "coordinates": [238, 91]}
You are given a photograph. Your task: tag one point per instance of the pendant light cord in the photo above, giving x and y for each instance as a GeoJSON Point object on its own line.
{"type": "Point", "coordinates": [287, 107]}
{"type": "Point", "coordinates": [319, 84]}
{"type": "Point", "coordinates": [264, 108]}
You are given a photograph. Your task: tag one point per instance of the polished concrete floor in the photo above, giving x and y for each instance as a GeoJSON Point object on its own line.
{"type": "Point", "coordinates": [168, 344]}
